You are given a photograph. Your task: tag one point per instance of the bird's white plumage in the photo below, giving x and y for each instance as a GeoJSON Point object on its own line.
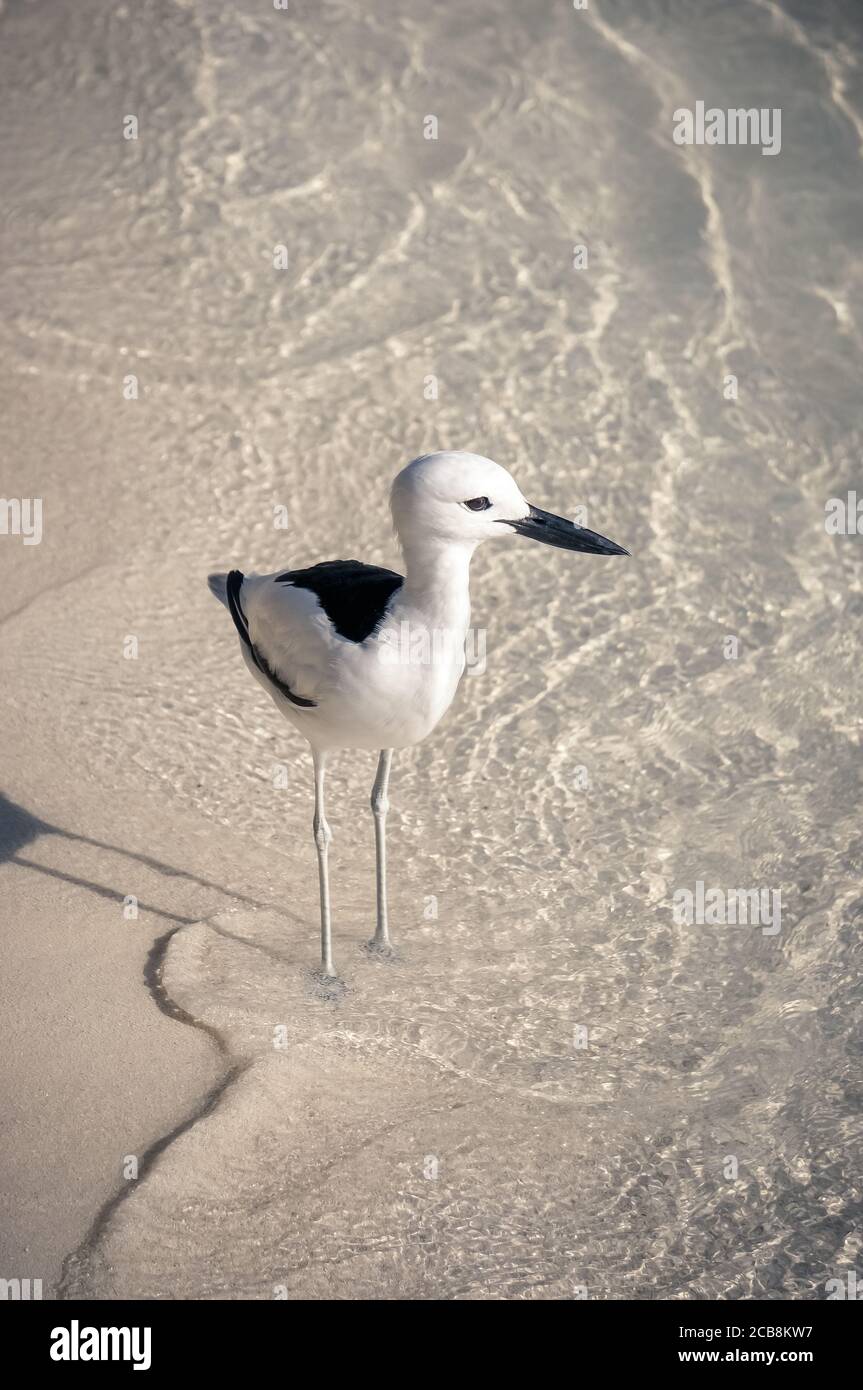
{"type": "Point", "coordinates": [391, 689]}
{"type": "Point", "coordinates": [378, 693]}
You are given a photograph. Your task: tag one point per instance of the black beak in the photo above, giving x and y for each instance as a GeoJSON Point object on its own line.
{"type": "Point", "coordinates": [556, 530]}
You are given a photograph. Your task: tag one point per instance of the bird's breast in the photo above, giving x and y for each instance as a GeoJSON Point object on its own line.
{"type": "Point", "coordinates": [399, 684]}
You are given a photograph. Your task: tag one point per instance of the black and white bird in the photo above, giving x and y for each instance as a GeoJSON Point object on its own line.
{"type": "Point", "coordinates": [356, 656]}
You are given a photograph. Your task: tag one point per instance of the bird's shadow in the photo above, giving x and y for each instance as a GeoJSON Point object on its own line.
{"type": "Point", "coordinates": [19, 829]}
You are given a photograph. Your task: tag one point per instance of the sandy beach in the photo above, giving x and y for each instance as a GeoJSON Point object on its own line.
{"type": "Point", "coordinates": [559, 1088]}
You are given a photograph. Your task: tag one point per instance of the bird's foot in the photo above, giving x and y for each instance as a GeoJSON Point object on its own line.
{"type": "Point", "coordinates": [380, 948]}
{"type": "Point", "coordinates": [328, 985]}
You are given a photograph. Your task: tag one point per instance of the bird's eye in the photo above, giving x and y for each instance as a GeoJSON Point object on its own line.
{"type": "Point", "coordinates": [478, 504]}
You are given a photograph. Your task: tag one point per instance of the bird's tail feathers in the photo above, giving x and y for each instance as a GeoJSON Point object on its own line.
{"type": "Point", "coordinates": [218, 584]}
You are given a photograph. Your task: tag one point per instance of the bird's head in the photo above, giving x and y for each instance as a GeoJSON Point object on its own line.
{"type": "Point", "coordinates": [463, 499]}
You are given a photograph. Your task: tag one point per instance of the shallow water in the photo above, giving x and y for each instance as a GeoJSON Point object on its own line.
{"type": "Point", "coordinates": [610, 754]}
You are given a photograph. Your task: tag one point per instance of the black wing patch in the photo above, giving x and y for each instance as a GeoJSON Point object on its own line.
{"type": "Point", "coordinates": [354, 596]}
{"type": "Point", "coordinates": [233, 585]}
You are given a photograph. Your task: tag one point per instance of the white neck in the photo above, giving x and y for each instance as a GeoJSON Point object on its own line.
{"type": "Point", "coordinates": [437, 584]}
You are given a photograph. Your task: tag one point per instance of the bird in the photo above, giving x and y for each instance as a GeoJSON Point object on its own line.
{"type": "Point", "coordinates": [357, 656]}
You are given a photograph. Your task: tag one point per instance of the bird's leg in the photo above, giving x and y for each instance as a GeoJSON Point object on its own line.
{"type": "Point", "coordinates": [323, 835]}
{"type": "Point", "coordinates": [380, 806]}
